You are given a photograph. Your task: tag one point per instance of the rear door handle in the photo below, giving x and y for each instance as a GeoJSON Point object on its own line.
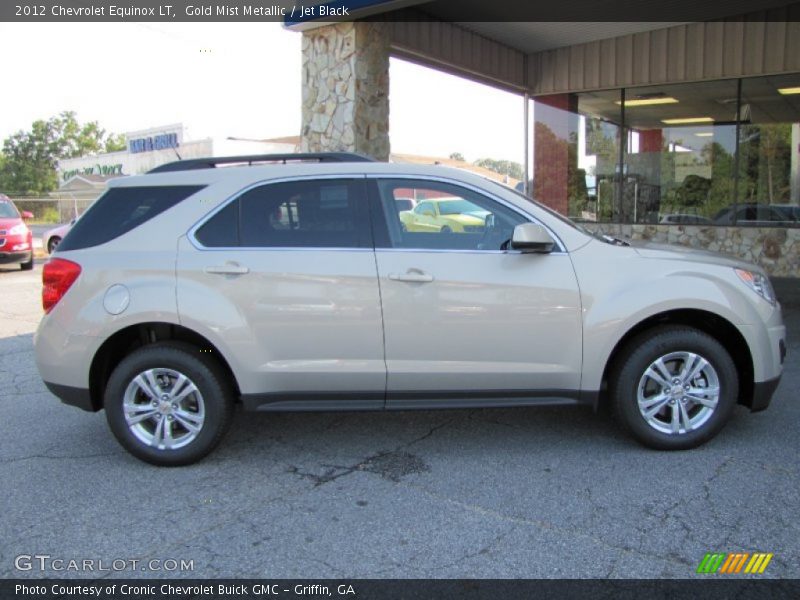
{"type": "Point", "coordinates": [227, 269]}
{"type": "Point", "coordinates": [412, 276]}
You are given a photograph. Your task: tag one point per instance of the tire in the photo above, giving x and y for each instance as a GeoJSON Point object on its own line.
{"type": "Point", "coordinates": [27, 266]}
{"type": "Point", "coordinates": [53, 243]}
{"type": "Point", "coordinates": [196, 422]}
{"type": "Point", "coordinates": [674, 416]}
{"type": "Point", "coordinates": [446, 229]}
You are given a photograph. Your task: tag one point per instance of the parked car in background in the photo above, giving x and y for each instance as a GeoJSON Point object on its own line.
{"type": "Point", "coordinates": [684, 219]}
{"type": "Point", "coordinates": [344, 309]}
{"type": "Point", "coordinates": [755, 214]}
{"type": "Point", "coordinates": [16, 240]}
{"type": "Point", "coordinates": [447, 215]}
{"type": "Point", "coordinates": [792, 211]}
{"type": "Point", "coordinates": [52, 237]}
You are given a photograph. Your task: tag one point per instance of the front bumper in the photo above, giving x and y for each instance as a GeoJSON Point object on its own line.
{"type": "Point", "coordinates": [15, 257]}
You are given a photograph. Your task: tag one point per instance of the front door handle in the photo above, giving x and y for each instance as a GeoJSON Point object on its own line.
{"type": "Point", "coordinates": [227, 269]}
{"type": "Point", "coordinates": [412, 276]}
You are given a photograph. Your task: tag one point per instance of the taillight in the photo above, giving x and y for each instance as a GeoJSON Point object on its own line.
{"type": "Point", "coordinates": [58, 275]}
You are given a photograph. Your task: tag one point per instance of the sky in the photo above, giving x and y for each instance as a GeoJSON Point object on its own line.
{"type": "Point", "coordinates": [231, 79]}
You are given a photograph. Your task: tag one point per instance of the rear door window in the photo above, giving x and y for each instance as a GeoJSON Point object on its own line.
{"type": "Point", "coordinates": [121, 210]}
{"type": "Point", "coordinates": [329, 213]}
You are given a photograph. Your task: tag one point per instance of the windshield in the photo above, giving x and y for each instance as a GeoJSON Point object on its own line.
{"type": "Point", "coordinates": [458, 207]}
{"type": "Point", "coordinates": [8, 211]}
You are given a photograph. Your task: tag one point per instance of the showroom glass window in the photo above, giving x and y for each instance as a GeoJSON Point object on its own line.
{"type": "Point", "coordinates": [706, 153]}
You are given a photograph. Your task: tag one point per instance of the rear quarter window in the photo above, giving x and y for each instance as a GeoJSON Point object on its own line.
{"type": "Point", "coordinates": [121, 210]}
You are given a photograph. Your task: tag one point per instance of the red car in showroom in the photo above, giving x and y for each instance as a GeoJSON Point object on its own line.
{"type": "Point", "coordinates": [16, 240]}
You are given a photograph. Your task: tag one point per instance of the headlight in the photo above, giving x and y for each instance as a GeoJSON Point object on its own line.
{"type": "Point", "coordinates": [758, 283]}
{"type": "Point", "coordinates": [20, 229]}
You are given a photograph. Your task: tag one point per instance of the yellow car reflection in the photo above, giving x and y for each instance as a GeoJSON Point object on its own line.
{"type": "Point", "coordinates": [444, 215]}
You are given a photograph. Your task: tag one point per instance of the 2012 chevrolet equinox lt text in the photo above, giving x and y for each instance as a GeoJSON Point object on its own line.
{"type": "Point", "coordinates": [299, 283]}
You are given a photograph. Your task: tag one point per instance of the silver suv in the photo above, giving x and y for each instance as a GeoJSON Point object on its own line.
{"type": "Point", "coordinates": [299, 282]}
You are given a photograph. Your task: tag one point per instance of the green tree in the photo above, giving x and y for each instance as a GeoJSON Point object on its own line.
{"type": "Point", "coordinates": [457, 156]}
{"type": "Point", "coordinates": [504, 167]}
{"type": "Point", "coordinates": [31, 156]}
{"type": "Point", "coordinates": [765, 162]}
{"type": "Point", "coordinates": [115, 142]}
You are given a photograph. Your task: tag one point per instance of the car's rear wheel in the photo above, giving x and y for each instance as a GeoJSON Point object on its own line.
{"type": "Point", "coordinates": [674, 387]}
{"type": "Point", "coordinates": [53, 243]}
{"type": "Point", "coordinates": [167, 404]}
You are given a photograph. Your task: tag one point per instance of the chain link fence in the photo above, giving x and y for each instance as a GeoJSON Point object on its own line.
{"type": "Point", "coordinates": [53, 210]}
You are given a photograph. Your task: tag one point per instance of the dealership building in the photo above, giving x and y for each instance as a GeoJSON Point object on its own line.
{"type": "Point", "coordinates": [679, 132]}
{"type": "Point", "coordinates": [85, 177]}
{"type": "Point", "coordinates": [685, 132]}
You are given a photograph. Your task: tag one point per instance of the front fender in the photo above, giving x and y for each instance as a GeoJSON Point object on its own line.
{"type": "Point", "coordinates": [614, 305]}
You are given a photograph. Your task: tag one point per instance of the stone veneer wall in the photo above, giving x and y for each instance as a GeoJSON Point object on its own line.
{"type": "Point", "coordinates": [777, 249]}
{"type": "Point", "coordinates": [346, 89]}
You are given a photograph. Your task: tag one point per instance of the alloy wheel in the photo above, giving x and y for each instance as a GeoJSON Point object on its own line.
{"type": "Point", "coordinates": [163, 408]}
{"type": "Point", "coordinates": [678, 393]}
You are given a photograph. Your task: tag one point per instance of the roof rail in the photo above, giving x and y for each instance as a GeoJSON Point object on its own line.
{"type": "Point", "coordinates": [210, 163]}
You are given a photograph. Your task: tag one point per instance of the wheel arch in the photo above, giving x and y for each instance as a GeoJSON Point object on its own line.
{"type": "Point", "coordinates": [128, 339]}
{"type": "Point", "coordinates": [710, 323]}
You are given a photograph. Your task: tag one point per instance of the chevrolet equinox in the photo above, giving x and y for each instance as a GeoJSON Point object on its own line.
{"type": "Point", "coordinates": [293, 283]}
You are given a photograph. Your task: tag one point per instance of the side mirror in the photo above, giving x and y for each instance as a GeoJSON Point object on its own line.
{"type": "Point", "coordinates": [531, 237]}
{"type": "Point", "coordinates": [26, 214]}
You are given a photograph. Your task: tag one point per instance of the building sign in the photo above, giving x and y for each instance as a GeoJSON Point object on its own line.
{"type": "Point", "coordinates": [153, 142]}
{"type": "Point", "coordinates": [94, 170]}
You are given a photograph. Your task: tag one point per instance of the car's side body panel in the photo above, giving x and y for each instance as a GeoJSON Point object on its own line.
{"type": "Point", "coordinates": [486, 321]}
{"type": "Point", "coordinates": [298, 321]}
{"type": "Point", "coordinates": [84, 318]}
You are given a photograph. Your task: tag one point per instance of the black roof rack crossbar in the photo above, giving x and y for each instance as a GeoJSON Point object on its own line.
{"type": "Point", "coordinates": [212, 162]}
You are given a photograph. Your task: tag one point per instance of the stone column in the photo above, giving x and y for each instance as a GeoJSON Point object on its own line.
{"type": "Point", "coordinates": [346, 89]}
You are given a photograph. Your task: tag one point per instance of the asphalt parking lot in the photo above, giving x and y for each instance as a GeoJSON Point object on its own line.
{"type": "Point", "coordinates": [555, 492]}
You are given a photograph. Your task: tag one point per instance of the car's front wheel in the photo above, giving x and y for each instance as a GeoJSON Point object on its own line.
{"type": "Point", "coordinates": [674, 387]}
{"type": "Point", "coordinates": [167, 404]}
{"type": "Point", "coordinates": [28, 265]}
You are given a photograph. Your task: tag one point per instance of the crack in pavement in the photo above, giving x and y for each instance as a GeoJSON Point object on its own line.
{"type": "Point", "coordinates": [368, 464]}
{"type": "Point", "coordinates": [62, 457]}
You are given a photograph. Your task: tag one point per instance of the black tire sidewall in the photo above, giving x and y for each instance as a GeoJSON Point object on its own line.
{"type": "Point", "coordinates": [641, 353]}
{"type": "Point", "coordinates": [50, 246]}
{"type": "Point", "coordinates": [216, 399]}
